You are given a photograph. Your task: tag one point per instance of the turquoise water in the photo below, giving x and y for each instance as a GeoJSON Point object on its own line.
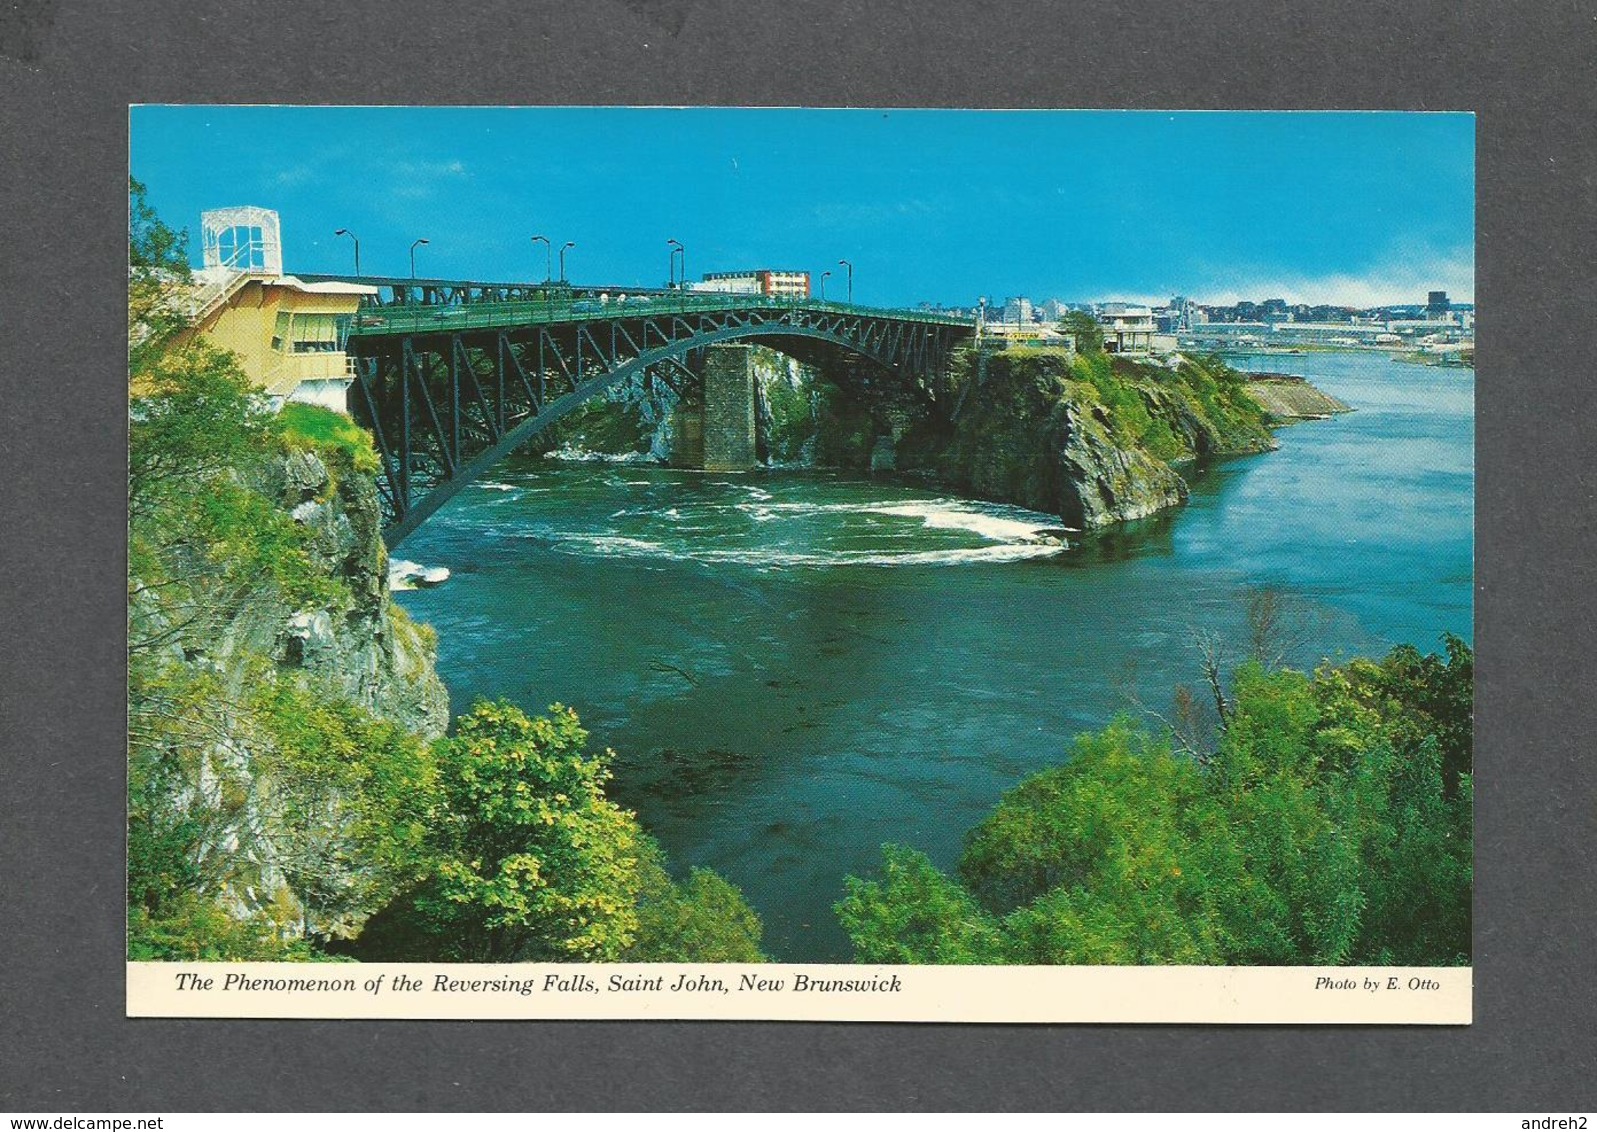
{"type": "Point", "coordinates": [794, 668]}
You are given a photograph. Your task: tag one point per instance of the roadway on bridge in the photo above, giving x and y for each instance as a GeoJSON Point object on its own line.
{"type": "Point", "coordinates": [561, 307]}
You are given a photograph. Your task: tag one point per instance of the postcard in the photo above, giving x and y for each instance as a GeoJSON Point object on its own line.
{"type": "Point", "coordinates": [846, 564]}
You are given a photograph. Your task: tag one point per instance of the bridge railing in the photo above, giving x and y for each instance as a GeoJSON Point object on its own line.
{"type": "Point", "coordinates": [558, 307]}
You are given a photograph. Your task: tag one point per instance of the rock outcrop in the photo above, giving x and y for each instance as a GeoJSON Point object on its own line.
{"type": "Point", "coordinates": [282, 844]}
{"type": "Point", "coordinates": [1029, 430]}
{"type": "Point", "coordinates": [1095, 440]}
{"type": "Point", "coordinates": [1288, 399]}
{"type": "Point", "coordinates": [360, 645]}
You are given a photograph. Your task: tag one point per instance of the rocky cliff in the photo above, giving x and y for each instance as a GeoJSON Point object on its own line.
{"type": "Point", "coordinates": [355, 644]}
{"type": "Point", "coordinates": [304, 835]}
{"type": "Point", "coordinates": [278, 746]}
{"type": "Point", "coordinates": [359, 645]}
{"type": "Point", "coordinates": [1094, 439]}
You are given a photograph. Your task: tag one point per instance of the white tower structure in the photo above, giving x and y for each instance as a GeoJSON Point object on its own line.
{"type": "Point", "coordinates": [244, 240]}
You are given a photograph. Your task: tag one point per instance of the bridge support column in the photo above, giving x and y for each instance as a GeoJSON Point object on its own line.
{"type": "Point", "coordinates": [729, 408]}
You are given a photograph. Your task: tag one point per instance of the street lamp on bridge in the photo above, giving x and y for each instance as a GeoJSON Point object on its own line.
{"type": "Point", "coordinates": [352, 236]}
{"type": "Point", "coordinates": [824, 274]}
{"type": "Point", "coordinates": [413, 248]}
{"type": "Point", "coordinates": [548, 258]}
{"type": "Point", "coordinates": [850, 266]}
{"type": "Point", "coordinates": [675, 248]}
{"type": "Point", "coordinates": [568, 244]}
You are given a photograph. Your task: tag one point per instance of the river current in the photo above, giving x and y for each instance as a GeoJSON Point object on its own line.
{"type": "Point", "coordinates": [795, 667]}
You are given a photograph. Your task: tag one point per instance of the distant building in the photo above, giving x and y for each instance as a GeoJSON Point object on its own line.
{"type": "Point", "coordinates": [1017, 311]}
{"type": "Point", "coordinates": [763, 281]}
{"type": "Point", "coordinates": [289, 335]}
{"type": "Point", "coordinates": [1127, 327]}
{"type": "Point", "coordinates": [1276, 310]}
{"type": "Point", "coordinates": [1422, 326]}
{"type": "Point", "coordinates": [1052, 310]}
{"type": "Point", "coordinates": [1179, 314]}
{"type": "Point", "coordinates": [1436, 304]}
{"type": "Point", "coordinates": [1238, 335]}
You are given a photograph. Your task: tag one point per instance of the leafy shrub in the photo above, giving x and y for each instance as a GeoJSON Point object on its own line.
{"type": "Point", "coordinates": [303, 426]}
{"type": "Point", "coordinates": [1332, 825]}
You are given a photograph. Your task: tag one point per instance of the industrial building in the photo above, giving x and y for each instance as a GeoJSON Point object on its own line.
{"type": "Point", "coordinates": [763, 281]}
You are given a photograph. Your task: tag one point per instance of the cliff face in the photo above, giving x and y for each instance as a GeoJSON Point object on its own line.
{"type": "Point", "coordinates": [639, 418]}
{"type": "Point", "coordinates": [299, 839]}
{"type": "Point", "coordinates": [1092, 443]}
{"type": "Point", "coordinates": [360, 645]}
{"type": "Point", "coordinates": [277, 741]}
{"type": "Point", "coordinates": [1021, 437]}
{"type": "Point", "coordinates": [1091, 439]}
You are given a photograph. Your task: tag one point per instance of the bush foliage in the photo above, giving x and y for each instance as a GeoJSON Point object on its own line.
{"type": "Point", "coordinates": [532, 862]}
{"type": "Point", "coordinates": [1331, 825]}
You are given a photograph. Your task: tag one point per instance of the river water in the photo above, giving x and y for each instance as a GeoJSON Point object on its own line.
{"type": "Point", "coordinates": [794, 667]}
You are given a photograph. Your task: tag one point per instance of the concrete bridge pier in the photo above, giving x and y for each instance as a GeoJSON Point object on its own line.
{"type": "Point", "coordinates": [728, 428]}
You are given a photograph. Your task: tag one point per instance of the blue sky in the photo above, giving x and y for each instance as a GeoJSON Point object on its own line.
{"type": "Point", "coordinates": [930, 205]}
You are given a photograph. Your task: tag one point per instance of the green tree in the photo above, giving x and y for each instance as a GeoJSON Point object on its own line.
{"type": "Point", "coordinates": [1301, 868]}
{"type": "Point", "coordinates": [1084, 328]}
{"type": "Point", "coordinates": [349, 800]}
{"type": "Point", "coordinates": [194, 928]}
{"type": "Point", "coordinates": [202, 536]}
{"type": "Point", "coordinates": [158, 280]}
{"type": "Point", "coordinates": [1099, 857]}
{"type": "Point", "coordinates": [536, 863]}
{"type": "Point", "coordinates": [915, 914]}
{"type": "Point", "coordinates": [703, 920]}
{"type": "Point", "coordinates": [1398, 736]}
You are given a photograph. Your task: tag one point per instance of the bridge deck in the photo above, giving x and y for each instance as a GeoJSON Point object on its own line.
{"type": "Point", "coordinates": [387, 321]}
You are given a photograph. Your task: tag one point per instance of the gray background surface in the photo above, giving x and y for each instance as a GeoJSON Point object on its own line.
{"type": "Point", "coordinates": [68, 70]}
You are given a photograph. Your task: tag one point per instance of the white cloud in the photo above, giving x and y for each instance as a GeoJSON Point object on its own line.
{"type": "Point", "coordinates": [834, 215]}
{"type": "Point", "coordinates": [1403, 277]}
{"type": "Point", "coordinates": [420, 180]}
{"type": "Point", "coordinates": [430, 170]}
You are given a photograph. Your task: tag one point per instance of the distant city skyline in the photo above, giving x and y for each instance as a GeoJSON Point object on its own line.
{"type": "Point", "coordinates": [1356, 209]}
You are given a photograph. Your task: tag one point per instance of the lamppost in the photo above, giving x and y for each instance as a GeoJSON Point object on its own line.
{"type": "Point", "coordinates": [352, 236]}
{"type": "Point", "coordinates": [675, 248]}
{"type": "Point", "coordinates": [548, 257]}
{"type": "Point", "coordinates": [850, 266]}
{"type": "Point", "coordinates": [413, 248]}
{"type": "Point", "coordinates": [824, 274]}
{"type": "Point", "coordinates": [568, 244]}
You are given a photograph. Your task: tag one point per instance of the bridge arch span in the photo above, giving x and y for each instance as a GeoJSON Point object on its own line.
{"type": "Point", "coordinates": [445, 403]}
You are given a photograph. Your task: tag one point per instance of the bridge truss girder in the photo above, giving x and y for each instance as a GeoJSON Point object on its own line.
{"type": "Point", "coordinates": [396, 291]}
{"type": "Point", "coordinates": [443, 407]}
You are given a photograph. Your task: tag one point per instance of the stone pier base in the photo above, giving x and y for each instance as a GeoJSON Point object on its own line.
{"type": "Point", "coordinates": [729, 409]}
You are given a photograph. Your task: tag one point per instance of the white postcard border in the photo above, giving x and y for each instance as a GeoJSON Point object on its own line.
{"type": "Point", "coordinates": [803, 992]}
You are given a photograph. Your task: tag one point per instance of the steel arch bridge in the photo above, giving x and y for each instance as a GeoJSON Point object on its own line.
{"type": "Point", "coordinates": [448, 390]}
